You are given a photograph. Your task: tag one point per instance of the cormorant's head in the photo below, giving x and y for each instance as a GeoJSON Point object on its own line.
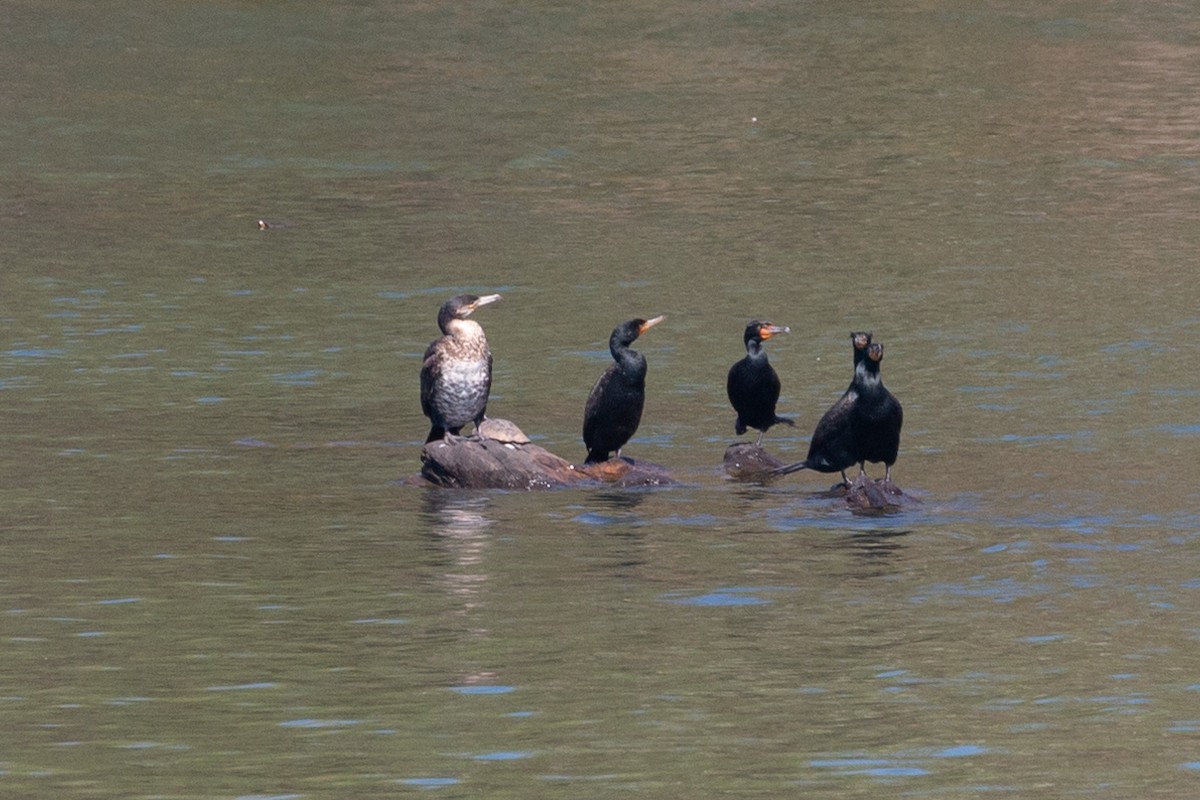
{"type": "Point", "coordinates": [758, 331]}
{"type": "Point", "coordinates": [861, 341]}
{"type": "Point", "coordinates": [875, 352]}
{"type": "Point", "coordinates": [460, 307]}
{"type": "Point", "coordinates": [627, 332]}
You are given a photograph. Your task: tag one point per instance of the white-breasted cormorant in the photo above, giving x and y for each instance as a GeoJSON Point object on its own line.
{"type": "Point", "coordinates": [456, 374]}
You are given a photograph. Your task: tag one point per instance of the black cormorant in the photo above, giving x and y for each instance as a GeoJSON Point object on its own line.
{"type": "Point", "coordinates": [878, 417]}
{"type": "Point", "coordinates": [833, 447]}
{"type": "Point", "coordinates": [614, 407]}
{"type": "Point", "coordinates": [753, 385]}
{"type": "Point", "coordinates": [456, 374]}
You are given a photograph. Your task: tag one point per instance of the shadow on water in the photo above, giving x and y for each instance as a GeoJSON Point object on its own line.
{"type": "Point", "coordinates": [623, 501]}
{"type": "Point", "coordinates": [874, 553]}
{"type": "Point", "coordinates": [614, 509]}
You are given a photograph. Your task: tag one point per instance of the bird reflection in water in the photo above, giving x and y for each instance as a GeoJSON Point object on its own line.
{"type": "Point", "coordinates": [459, 530]}
{"type": "Point", "coordinates": [616, 531]}
{"type": "Point", "coordinates": [620, 501]}
{"type": "Point", "coordinates": [875, 552]}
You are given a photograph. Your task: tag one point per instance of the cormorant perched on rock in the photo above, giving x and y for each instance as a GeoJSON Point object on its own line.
{"type": "Point", "coordinates": [614, 407]}
{"type": "Point", "coordinates": [878, 417]}
{"type": "Point", "coordinates": [456, 374]}
{"type": "Point", "coordinates": [833, 447]}
{"type": "Point", "coordinates": [753, 385]}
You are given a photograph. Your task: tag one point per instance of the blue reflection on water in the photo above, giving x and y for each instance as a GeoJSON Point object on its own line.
{"type": "Point", "coordinates": [306, 377]}
{"type": "Point", "coordinates": [960, 751]}
{"type": "Point", "coordinates": [904, 765]}
{"type": "Point", "coordinates": [483, 689]}
{"type": "Point", "coordinates": [1044, 638]}
{"type": "Point", "coordinates": [503, 755]}
{"type": "Point", "coordinates": [428, 783]}
{"type": "Point", "coordinates": [877, 767]}
{"type": "Point", "coordinates": [35, 352]}
{"type": "Point", "coordinates": [593, 518]}
{"type": "Point", "coordinates": [1180, 430]}
{"type": "Point", "coordinates": [726, 596]}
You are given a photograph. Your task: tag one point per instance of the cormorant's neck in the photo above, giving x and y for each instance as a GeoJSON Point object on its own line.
{"type": "Point", "coordinates": [618, 345]}
{"type": "Point", "coordinates": [628, 361]}
{"type": "Point", "coordinates": [464, 329]}
{"type": "Point", "coordinates": [867, 377]}
{"type": "Point", "coordinates": [754, 349]}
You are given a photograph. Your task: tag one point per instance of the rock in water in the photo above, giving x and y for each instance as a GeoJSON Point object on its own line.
{"type": "Point", "coordinates": [882, 495]}
{"type": "Point", "coordinates": [487, 463]}
{"type": "Point", "coordinates": [626, 473]}
{"type": "Point", "coordinates": [461, 463]}
{"type": "Point", "coordinates": [749, 462]}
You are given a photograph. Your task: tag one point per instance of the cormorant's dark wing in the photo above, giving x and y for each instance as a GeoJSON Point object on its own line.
{"type": "Point", "coordinates": [832, 445]}
{"type": "Point", "coordinates": [734, 384]}
{"type": "Point", "coordinates": [592, 408]}
{"type": "Point", "coordinates": [487, 388]}
{"type": "Point", "coordinates": [429, 370]}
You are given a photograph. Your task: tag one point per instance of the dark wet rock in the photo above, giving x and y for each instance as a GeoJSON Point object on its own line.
{"type": "Point", "coordinates": [749, 462]}
{"type": "Point", "coordinates": [475, 462]}
{"type": "Point", "coordinates": [881, 495]}
{"type": "Point", "coordinates": [479, 463]}
{"type": "Point", "coordinates": [745, 461]}
{"type": "Point", "coordinates": [625, 472]}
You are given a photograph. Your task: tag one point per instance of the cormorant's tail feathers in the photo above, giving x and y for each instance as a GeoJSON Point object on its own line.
{"type": "Point", "coordinates": [790, 468]}
{"type": "Point", "coordinates": [785, 421]}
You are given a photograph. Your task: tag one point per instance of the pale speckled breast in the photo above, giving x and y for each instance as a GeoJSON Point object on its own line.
{"type": "Point", "coordinates": [461, 391]}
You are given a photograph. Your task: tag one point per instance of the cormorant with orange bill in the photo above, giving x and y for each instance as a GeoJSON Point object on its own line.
{"type": "Point", "coordinates": [753, 385]}
{"type": "Point", "coordinates": [614, 406]}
